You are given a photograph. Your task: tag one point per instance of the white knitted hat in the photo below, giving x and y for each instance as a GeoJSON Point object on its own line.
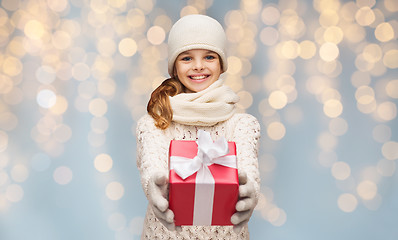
{"type": "Point", "coordinates": [196, 32]}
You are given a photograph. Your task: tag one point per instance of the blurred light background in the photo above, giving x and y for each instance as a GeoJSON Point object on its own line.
{"type": "Point", "coordinates": [321, 76]}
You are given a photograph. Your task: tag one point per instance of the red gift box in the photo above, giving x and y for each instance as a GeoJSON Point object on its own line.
{"type": "Point", "coordinates": [206, 203]}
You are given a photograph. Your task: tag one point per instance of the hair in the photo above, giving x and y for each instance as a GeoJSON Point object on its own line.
{"type": "Point", "coordinates": [159, 105]}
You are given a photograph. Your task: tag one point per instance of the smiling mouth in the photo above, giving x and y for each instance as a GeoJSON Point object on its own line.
{"type": "Point", "coordinates": [197, 78]}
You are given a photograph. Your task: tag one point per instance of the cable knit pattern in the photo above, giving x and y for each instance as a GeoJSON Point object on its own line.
{"type": "Point", "coordinates": [152, 150]}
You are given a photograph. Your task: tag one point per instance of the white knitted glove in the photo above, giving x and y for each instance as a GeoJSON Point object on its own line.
{"type": "Point", "coordinates": [157, 193]}
{"type": "Point", "coordinates": [246, 203]}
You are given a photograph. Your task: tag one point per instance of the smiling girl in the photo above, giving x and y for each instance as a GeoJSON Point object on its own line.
{"type": "Point", "coordinates": [195, 98]}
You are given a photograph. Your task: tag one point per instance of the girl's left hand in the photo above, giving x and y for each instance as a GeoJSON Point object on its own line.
{"type": "Point", "coordinates": [157, 193]}
{"type": "Point", "coordinates": [246, 203]}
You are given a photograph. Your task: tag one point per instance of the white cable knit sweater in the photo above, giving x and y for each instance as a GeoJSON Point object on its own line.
{"type": "Point", "coordinates": [152, 150]}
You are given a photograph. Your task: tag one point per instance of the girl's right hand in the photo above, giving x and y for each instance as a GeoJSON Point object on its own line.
{"type": "Point", "coordinates": [246, 203]}
{"type": "Point", "coordinates": [157, 192]}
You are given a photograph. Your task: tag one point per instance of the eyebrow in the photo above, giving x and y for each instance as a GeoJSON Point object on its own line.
{"type": "Point", "coordinates": [207, 52]}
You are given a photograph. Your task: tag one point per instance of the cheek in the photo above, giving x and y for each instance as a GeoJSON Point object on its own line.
{"type": "Point", "coordinates": [216, 69]}
{"type": "Point", "coordinates": [179, 73]}
{"type": "Point", "coordinates": [180, 68]}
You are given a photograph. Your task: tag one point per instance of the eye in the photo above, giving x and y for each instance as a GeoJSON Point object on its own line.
{"type": "Point", "coordinates": [210, 57]}
{"type": "Point", "coordinates": [186, 58]}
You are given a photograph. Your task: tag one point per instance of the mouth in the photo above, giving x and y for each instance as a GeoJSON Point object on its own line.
{"type": "Point", "coordinates": [199, 77]}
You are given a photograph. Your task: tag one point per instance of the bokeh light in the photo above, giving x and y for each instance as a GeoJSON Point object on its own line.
{"type": "Point", "coordinates": [60, 106]}
{"type": "Point", "coordinates": [114, 190]}
{"type": "Point", "coordinates": [390, 58]}
{"type": "Point", "coordinates": [390, 150]}
{"type": "Point", "coordinates": [46, 98]}
{"type": "Point", "coordinates": [276, 131]}
{"type": "Point", "coordinates": [103, 162]}
{"type": "Point", "coordinates": [63, 175]}
{"type": "Point", "coordinates": [341, 170]}
{"type": "Point", "coordinates": [329, 51]}
{"type": "Point", "coordinates": [392, 88]}
{"type": "Point", "coordinates": [333, 108]}
{"type": "Point", "coordinates": [156, 35]}
{"type": "Point", "coordinates": [19, 173]}
{"type": "Point", "coordinates": [387, 111]}
{"type": "Point", "coordinates": [384, 32]}
{"type": "Point", "coordinates": [347, 202]}
{"type": "Point", "coordinates": [98, 107]}
{"type": "Point", "coordinates": [367, 190]}
{"type": "Point", "coordinates": [127, 47]}
{"type": "Point", "coordinates": [277, 99]}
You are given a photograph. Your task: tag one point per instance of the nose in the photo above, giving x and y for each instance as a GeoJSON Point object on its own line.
{"type": "Point", "coordinates": [198, 65]}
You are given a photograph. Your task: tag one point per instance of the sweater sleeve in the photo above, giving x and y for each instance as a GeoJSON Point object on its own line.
{"type": "Point", "coordinates": [152, 150]}
{"type": "Point", "coordinates": [247, 136]}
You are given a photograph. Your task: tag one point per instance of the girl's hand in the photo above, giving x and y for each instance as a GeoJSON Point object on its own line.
{"type": "Point", "coordinates": [246, 203]}
{"type": "Point", "coordinates": [157, 192]}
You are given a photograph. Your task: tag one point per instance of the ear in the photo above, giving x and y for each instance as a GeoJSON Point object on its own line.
{"type": "Point", "coordinates": [221, 63]}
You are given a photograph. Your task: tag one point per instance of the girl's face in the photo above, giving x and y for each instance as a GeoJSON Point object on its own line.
{"type": "Point", "coordinates": [197, 69]}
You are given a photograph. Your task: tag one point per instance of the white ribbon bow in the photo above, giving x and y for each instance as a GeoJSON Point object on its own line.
{"type": "Point", "coordinates": [209, 153]}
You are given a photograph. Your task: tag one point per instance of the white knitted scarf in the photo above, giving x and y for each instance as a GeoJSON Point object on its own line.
{"type": "Point", "coordinates": [205, 108]}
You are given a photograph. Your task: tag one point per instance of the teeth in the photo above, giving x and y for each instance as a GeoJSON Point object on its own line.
{"type": "Point", "coordinates": [198, 77]}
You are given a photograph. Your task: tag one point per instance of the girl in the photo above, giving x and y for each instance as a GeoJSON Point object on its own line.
{"type": "Point", "coordinates": [193, 99]}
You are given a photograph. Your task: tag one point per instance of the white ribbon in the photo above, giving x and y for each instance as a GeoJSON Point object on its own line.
{"type": "Point", "coordinates": [209, 153]}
